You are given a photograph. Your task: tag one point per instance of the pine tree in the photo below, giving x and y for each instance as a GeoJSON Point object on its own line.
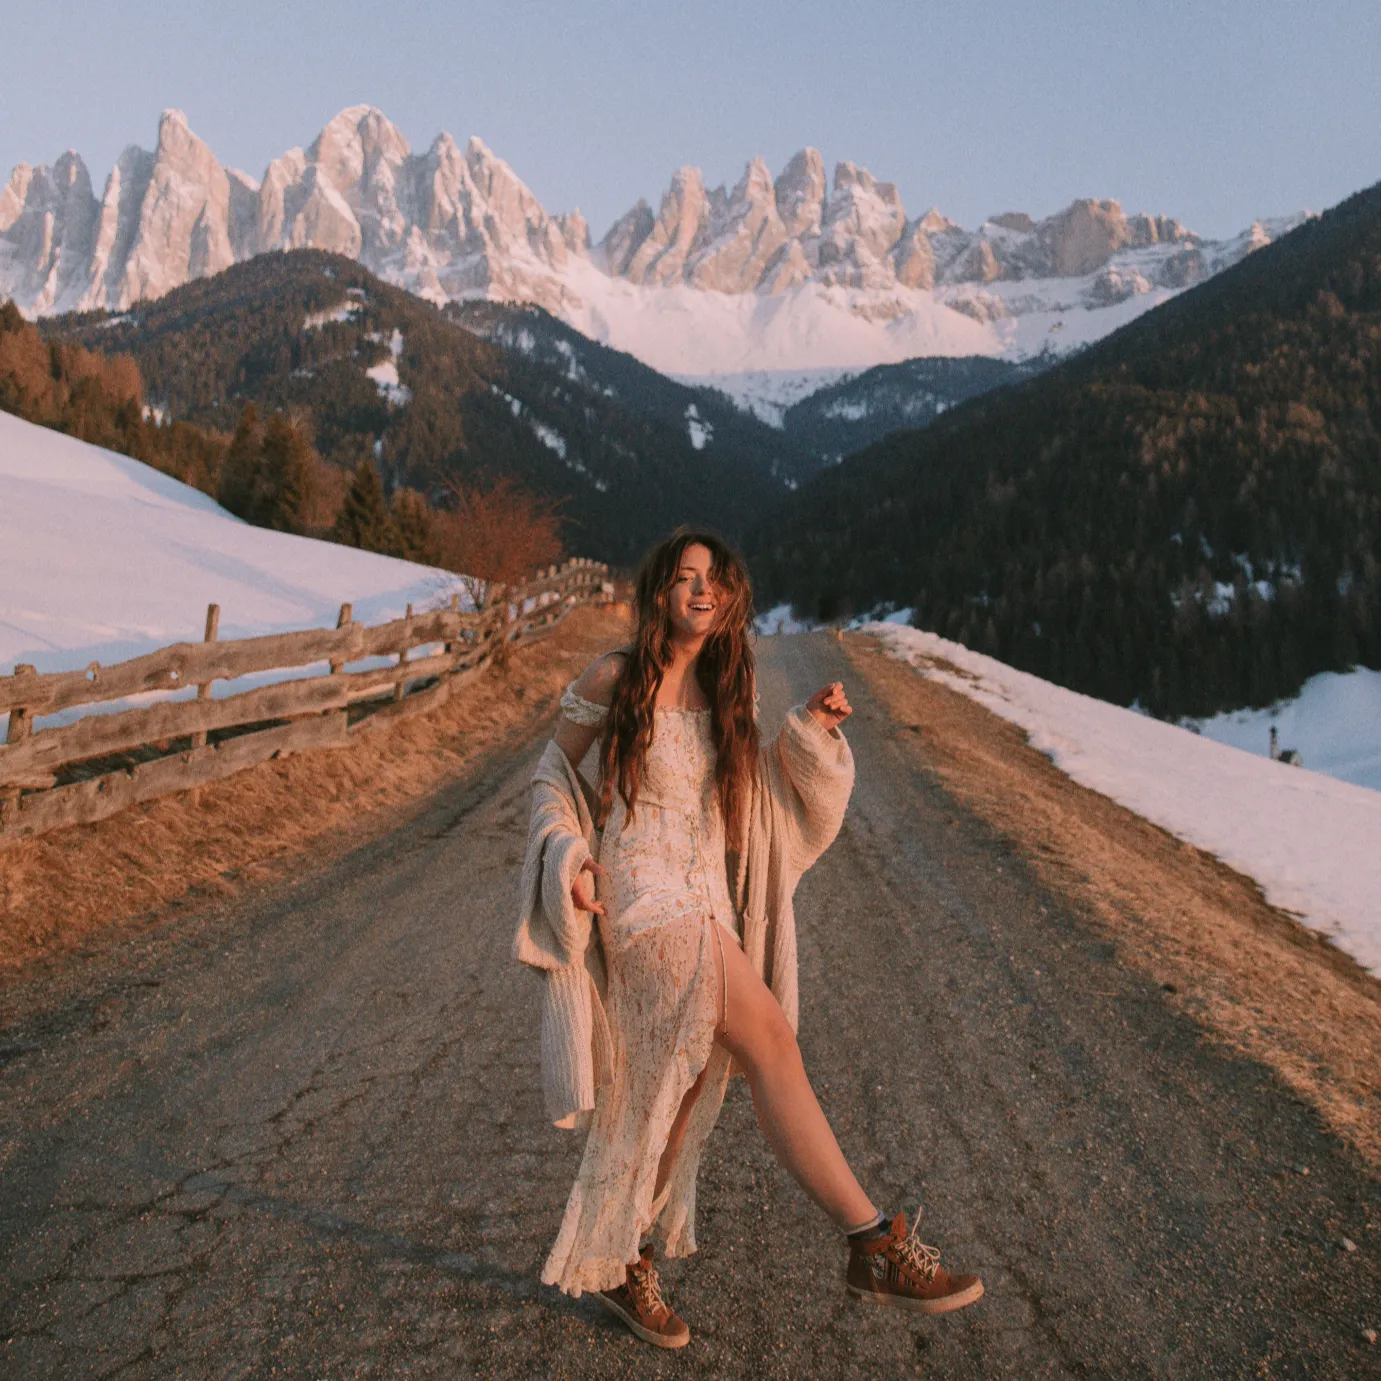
{"type": "Point", "coordinates": [364, 520]}
{"type": "Point", "coordinates": [240, 473]}
{"type": "Point", "coordinates": [414, 527]}
{"type": "Point", "coordinates": [284, 489]}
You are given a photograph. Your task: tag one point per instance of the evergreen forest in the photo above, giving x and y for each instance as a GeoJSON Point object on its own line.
{"type": "Point", "coordinates": [98, 399]}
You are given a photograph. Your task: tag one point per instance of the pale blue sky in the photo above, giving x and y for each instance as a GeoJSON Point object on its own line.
{"type": "Point", "coordinates": [1215, 113]}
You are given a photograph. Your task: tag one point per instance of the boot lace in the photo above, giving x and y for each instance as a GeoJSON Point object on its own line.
{"type": "Point", "coordinates": [915, 1255]}
{"type": "Point", "coordinates": [646, 1288]}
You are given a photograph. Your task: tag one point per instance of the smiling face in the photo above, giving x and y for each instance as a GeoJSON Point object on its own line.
{"type": "Point", "coordinates": [694, 599]}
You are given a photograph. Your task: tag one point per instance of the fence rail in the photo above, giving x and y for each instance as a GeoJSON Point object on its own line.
{"type": "Point", "coordinates": [81, 772]}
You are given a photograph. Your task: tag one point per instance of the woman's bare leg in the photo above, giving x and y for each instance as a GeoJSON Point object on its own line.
{"type": "Point", "coordinates": [760, 1038]}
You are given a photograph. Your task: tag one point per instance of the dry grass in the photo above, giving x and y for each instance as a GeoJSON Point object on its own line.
{"type": "Point", "coordinates": [58, 891]}
{"type": "Point", "coordinates": [1251, 975]}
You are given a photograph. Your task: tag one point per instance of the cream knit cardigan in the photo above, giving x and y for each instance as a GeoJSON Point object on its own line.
{"type": "Point", "coordinates": [799, 794]}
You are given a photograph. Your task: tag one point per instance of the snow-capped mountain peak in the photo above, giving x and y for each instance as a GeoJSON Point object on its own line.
{"type": "Point", "coordinates": [797, 272]}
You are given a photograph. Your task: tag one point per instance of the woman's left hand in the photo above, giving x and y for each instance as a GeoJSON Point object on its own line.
{"type": "Point", "coordinates": [830, 706]}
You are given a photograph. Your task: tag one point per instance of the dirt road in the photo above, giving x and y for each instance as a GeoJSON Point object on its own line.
{"type": "Point", "coordinates": [302, 1135]}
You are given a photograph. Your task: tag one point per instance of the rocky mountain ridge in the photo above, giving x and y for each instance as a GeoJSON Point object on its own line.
{"type": "Point", "coordinates": [453, 224]}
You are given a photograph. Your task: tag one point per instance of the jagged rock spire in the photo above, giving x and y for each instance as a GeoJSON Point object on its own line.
{"type": "Point", "coordinates": [453, 222]}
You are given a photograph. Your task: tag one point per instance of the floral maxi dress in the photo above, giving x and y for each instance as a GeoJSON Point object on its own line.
{"type": "Point", "coordinates": [666, 896]}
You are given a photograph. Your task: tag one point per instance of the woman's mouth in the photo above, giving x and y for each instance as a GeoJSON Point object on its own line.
{"type": "Point", "coordinates": [700, 607]}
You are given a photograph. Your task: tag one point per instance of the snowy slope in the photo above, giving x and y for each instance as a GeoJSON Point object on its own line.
{"type": "Point", "coordinates": [681, 330]}
{"type": "Point", "coordinates": [103, 558]}
{"type": "Point", "coordinates": [1334, 723]}
{"type": "Point", "coordinates": [768, 393]}
{"type": "Point", "coordinates": [1311, 842]}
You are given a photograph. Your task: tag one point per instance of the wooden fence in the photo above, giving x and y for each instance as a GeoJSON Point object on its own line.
{"type": "Point", "coordinates": [76, 773]}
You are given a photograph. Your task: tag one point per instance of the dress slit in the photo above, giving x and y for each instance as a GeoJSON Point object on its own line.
{"type": "Point", "coordinates": [723, 977]}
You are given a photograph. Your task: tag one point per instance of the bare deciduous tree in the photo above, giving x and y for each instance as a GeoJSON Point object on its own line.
{"type": "Point", "coordinates": [497, 533]}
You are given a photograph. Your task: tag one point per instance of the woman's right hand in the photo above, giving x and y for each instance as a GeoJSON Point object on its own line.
{"type": "Point", "coordinates": [583, 887]}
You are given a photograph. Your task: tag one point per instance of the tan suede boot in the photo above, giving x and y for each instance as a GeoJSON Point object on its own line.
{"type": "Point", "coordinates": [639, 1303]}
{"type": "Point", "coordinates": [898, 1270]}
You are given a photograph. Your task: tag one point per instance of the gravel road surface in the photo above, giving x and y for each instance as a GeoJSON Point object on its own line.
{"type": "Point", "coordinates": [302, 1136]}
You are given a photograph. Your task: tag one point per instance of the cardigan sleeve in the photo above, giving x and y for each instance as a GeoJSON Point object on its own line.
{"type": "Point", "coordinates": [551, 932]}
{"type": "Point", "coordinates": [560, 941]}
{"type": "Point", "coordinates": [817, 778]}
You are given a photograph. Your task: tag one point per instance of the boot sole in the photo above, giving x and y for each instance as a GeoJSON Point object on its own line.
{"type": "Point", "coordinates": [946, 1304]}
{"type": "Point", "coordinates": [638, 1331]}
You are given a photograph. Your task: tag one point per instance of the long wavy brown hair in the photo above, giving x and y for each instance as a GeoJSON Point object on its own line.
{"type": "Point", "coordinates": [724, 669]}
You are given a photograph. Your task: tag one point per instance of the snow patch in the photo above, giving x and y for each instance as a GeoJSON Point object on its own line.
{"type": "Point", "coordinates": [779, 619]}
{"type": "Point", "coordinates": [846, 410]}
{"type": "Point", "coordinates": [1307, 839]}
{"type": "Point", "coordinates": [342, 311]}
{"type": "Point", "coordinates": [574, 371]}
{"type": "Point", "coordinates": [767, 393]}
{"type": "Point", "coordinates": [552, 439]}
{"type": "Point", "coordinates": [680, 330]}
{"type": "Point", "coordinates": [385, 373]}
{"type": "Point", "coordinates": [549, 437]}
{"type": "Point", "coordinates": [701, 431]}
{"type": "Point", "coordinates": [385, 376]}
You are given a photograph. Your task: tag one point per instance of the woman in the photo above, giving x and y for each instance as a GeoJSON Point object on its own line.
{"type": "Point", "coordinates": [687, 976]}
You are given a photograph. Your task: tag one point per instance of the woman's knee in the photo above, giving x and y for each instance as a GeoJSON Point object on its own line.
{"type": "Point", "coordinates": [773, 1040]}
{"type": "Point", "coordinates": [754, 1028]}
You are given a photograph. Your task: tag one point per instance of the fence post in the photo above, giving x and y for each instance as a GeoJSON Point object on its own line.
{"type": "Point", "coordinates": [403, 654]}
{"type": "Point", "coordinates": [21, 726]}
{"type": "Point", "coordinates": [449, 648]}
{"type": "Point", "coordinates": [346, 613]}
{"type": "Point", "coordinates": [213, 624]}
{"type": "Point", "coordinates": [494, 631]}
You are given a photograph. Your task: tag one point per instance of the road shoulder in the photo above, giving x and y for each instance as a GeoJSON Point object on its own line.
{"type": "Point", "coordinates": [1250, 975]}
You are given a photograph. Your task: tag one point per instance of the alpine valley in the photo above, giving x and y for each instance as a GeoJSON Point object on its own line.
{"type": "Point", "coordinates": [1013, 431]}
{"type": "Point", "coordinates": [768, 289]}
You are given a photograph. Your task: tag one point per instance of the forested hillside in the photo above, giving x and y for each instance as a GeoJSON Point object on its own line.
{"type": "Point", "coordinates": [817, 431]}
{"type": "Point", "coordinates": [97, 399]}
{"type": "Point", "coordinates": [705, 416]}
{"type": "Point", "coordinates": [1187, 515]}
{"type": "Point", "coordinates": [378, 374]}
{"type": "Point", "coordinates": [844, 417]}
